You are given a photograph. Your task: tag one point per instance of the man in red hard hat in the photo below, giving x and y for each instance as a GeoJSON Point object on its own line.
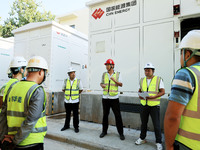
{"type": "Point", "coordinates": [111, 80]}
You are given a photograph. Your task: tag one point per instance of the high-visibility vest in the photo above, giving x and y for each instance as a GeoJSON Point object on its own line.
{"type": "Point", "coordinates": [189, 128]}
{"type": "Point", "coordinates": [72, 91]}
{"type": "Point", "coordinates": [153, 90]}
{"type": "Point", "coordinates": [8, 84]}
{"type": "Point", "coordinates": [111, 87]}
{"type": "Point", "coordinates": [17, 111]}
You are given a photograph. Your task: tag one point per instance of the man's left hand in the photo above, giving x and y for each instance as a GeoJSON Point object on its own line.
{"type": "Point", "coordinates": [150, 97]}
{"type": "Point", "coordinates": [8, 138]}
{"type": "Point", "coordinates": [112, 79]}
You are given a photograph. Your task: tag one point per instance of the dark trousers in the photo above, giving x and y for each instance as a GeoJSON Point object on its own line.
{"type": "Point", "coordinates": [72, 107]}
{"type": "Point", "coordinates": [154, 112]}
{"type": "Point", "coordinates": [114, 104]}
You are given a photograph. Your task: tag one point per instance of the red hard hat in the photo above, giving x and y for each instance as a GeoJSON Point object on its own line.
{"type": "Point", "coordinates": [110, 62]}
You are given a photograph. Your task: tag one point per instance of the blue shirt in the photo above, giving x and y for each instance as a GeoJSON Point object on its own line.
{"type": "Point", "coordinates": [183, 86]}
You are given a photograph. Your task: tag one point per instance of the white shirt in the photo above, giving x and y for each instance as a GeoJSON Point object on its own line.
{"type": "Point", "coordinates": [108, 96]}
{"type": "Point", "coordinates": [80, 88]}
{"type": "Point", "coordinates": [161, 86]}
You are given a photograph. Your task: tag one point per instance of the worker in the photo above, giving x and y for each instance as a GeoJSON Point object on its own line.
{"type": "Point", "coordinates": [154, 87]}
{"type": "Point", "coordinates": [3, 88]}
{"type": "Point", "coordinates": [24, 110]}
{"type": "Point", "coordinates": [110, 82]}
{"type": "Point", "coordinates": [182, 117]}
{"type": "Point", "coordinates": [17, 71]}
{"type": "Point", "coordinates": [72, 88]}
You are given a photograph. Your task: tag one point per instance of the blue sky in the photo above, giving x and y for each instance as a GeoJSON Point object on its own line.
{"type": "Point", "coordinates": [57, 7]}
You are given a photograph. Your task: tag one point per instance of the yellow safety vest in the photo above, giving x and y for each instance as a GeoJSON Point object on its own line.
{"type": "Point", "coordinates": [8, 84]}
{"type": "Point", "coordinates": [72, 91]}
{"type": "Point", "coordinates": [153, 90]}
{"type": "Point", "coordinates": [17, 111]}
{"type": "Point", "coordinates": [111, 87]}
{"type": "Point", "coordinates": [189, 129]}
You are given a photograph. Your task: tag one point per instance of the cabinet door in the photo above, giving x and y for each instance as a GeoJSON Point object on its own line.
{"type": "Point", "coordinates": [157, 9]}
{"type": "Point", "coordinates": [158, 49]}
{"type": "Point", "coordinates": [100, 50]}
{"type": "Point", "coordinates": [127, 57]}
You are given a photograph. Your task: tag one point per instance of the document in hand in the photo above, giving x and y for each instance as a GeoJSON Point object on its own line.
{"type": "Point", "coordinates": [143, 94]}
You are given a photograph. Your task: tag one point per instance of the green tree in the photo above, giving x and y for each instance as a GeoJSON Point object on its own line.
{"type": "Point", "coordinates": [24, 12]}
{"type": "Point", "coordinates": [0, 28]}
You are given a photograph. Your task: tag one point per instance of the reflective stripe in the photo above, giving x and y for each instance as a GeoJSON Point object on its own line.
{"type": "Point", "coordinates": [190, 113]}
{"type": "Point", "coordinates": [34, 130]}
{"type": "Point", "coordinates": [153, 99]}
{"type": "Point", "coordinates": [43, 114]}
{"type": "Point", "coordinates": [153, 92]}
{"type": "Point", "coordinates": [111, 84]}
{"type": "Point", "coordinates": [71, 89]}
{"type": "Point", "coordinates": [26, 100]}
{"type": "Point", "coordinates": [72, 95]}
{"type": "Point", "coordinates": [12, 129]}
{"type": "Point", "coordinates": [189, 135]}
{"type": "Point", "coordinates": [110, 90]}
{"type": "Point", "coordinates": [6, 96]}
{"type": "Point", "coordinates": [157, 85]}
{"type": "Point", "coordinates": [38, 130]}
{"type": "Point", "coordinates": [15, 114]}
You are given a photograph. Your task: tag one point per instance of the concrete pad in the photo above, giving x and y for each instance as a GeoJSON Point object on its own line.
{"type": "Point", "coordinates": [88, 137]}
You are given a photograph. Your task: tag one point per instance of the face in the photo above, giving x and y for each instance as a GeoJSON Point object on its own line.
{"type": "Point", "coordinates": [41, 76]}
{"type": "Point", "coordinates": [25, 73]}
{"type": "Point", "coordinates": [108, 67]}
{"type": "Point", "coordinates": [148, 72]}
{"type": "Point", "coordinates": [187, 56]}
{"type": "Point", "coordinates": [72, 75]}
{"type": "Point", "coordinates": [181, 59]}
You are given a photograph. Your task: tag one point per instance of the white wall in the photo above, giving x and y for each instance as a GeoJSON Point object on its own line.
{"type": "Point", "coordinates": [141, 33]}
{"type": "Point", "coordinates": [81, 21]}
{"type": "Point", "coordinates": [6, 55]}
{"type": "Point", "coordinates": [58, 46]}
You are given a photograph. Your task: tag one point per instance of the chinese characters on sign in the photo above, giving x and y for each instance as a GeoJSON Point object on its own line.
{"type": "Point", "coordinates": [112, 10]}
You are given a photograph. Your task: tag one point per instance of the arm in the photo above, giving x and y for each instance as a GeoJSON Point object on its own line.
{"type": "Point", "coordinates": [3, 121]}
{"type": "Point", "coordinates": [102, 82]}
{"type": "Point", "coordinates": [161, 93]}
{"type": "Point", "coordinates": [64, 86]}
{"type": "Point", "coordinates": [1, 101]}
{"type": "Point", "coordinates": [139, 91]}
{"type": "Point", "coordinates": [35, 108]}
{"type": "Point", "coordinates": [119, 82]}
{"type": "Point", "coordinates": [171, 122]}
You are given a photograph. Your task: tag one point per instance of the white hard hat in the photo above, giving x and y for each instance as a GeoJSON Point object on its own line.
{"type": "Point", "coordinates": [17, 62]}
{"type": "Point", "coordinates": [70, 69]}
{"type": "Point", "coordinates": [149, 66]}
{"type": "Point", "coordinates": [8, 72]}
{"type": "Point", "coordinates": [37, 62]}
{"type": "Point", "coordinates": [191, 40]}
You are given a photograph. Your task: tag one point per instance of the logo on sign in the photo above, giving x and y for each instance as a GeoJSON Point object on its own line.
{"type": "Point", "coordinates": [98, 13]}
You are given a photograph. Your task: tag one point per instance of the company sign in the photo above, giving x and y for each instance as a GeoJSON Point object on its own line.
{"type": "Point", "coordinates": [114, 10]}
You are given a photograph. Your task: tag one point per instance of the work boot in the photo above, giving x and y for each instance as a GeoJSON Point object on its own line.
{"type": "Point", "coordinates": [102, 134]}
{"type": "Point", "coordinates": [122, 137]}
{"type": "Point", "coordinates": [64, 128]}
{"type": "Point", "coordinates": [140, 141]}
{"type": "Point", "coordinates": [76, 130]}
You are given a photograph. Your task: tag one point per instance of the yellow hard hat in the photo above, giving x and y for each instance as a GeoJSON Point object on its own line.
{"type": "Point", "coordinates": [37, 62]}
